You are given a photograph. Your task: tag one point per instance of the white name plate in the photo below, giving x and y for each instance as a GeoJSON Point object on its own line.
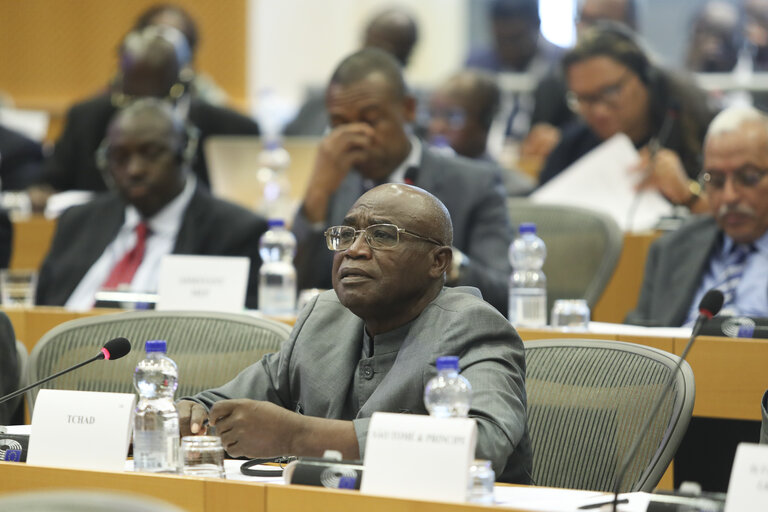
{"type": "Point", "coordinates": [81, 429]}
{"type": "Point", "coordinates": [748, 487]}
{"type": "Point", "coordinates": [415, 456]}
{"type": "Point", "coordinates": [203, 283]}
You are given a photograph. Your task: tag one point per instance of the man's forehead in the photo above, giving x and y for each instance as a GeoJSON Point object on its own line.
{"type": "Point", "coordinates": [749, 141]}
{"type": "Point", "coordinates": [142, 125]}
{"type": "Point", "coordinates": [372, 89]}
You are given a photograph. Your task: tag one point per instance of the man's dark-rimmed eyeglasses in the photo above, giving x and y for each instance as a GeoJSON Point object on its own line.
{"type": "Point", "coordinates": [746, 176]}
{"type": "Point", "coordinates": [378, 236]}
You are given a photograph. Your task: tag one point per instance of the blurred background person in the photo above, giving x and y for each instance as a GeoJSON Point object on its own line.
{"type": "Point", "coordinates": [201, 86]}
{"type": "Point", "coordinates": [591, 12]}
{"type": "Point", "coordinates": [461, 112]}
{"type": "Point", "coordinates": [393, 30]}
{"type": "Point", "coordinates": [615, 88]}
{"type": "Point", "coordinates": [716, 38]}
{"type": "Point", "coordinates": [151, 62]}
{"type": "Point", "coordinates": [21, 160]}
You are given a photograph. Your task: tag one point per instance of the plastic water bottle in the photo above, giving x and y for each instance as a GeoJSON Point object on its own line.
{"type": "Point", "coordinates": [277, 275]}
{"type": "Point", "coordinates": [276, 200]}
{"type": "Point", "coordinates": [156, 421]}
{"type": "Point", "coordinates": [448, 394]}
{"type": "Point", "coordinates": [527, 285]}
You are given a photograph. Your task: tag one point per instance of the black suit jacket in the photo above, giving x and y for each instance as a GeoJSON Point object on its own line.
{"type": "Point", "coordinates": [72, 165]}
{"type": "Point", "coordinates": [10, 412]}
{"type": "Point", "coordinates": [21, 160]}
{"type": "Point", "coordinates": [210, 227]}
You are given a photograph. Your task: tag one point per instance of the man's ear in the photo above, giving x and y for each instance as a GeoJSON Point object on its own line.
{"type": "Point", "coordinates": [441, 263]}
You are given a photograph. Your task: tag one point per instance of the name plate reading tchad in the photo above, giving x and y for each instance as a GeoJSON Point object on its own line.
{"type": "Point", "coordinates": [748, 487]}
{"type": "Point", "coordinates": [415, 456]}
{"type": "Point", "coordinates": [81, 429]}
{"type": "Point", "coordinates": [203, 283]}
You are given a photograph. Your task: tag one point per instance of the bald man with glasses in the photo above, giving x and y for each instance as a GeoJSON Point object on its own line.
{"type": "Point", "coordinates": [726, 249]}
{"type": "Point", "coordinates": [370, 345]}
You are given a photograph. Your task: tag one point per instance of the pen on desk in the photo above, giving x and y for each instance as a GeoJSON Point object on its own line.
{"type": "Point", "coordinates": [602, 503]}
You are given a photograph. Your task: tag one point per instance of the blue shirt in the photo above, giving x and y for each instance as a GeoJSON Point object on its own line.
{"type": "Point", "coordinates": [751, 298]}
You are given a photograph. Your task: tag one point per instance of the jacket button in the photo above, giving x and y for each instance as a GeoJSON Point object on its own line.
{"type": "Point", "coordinates": [366, 372]}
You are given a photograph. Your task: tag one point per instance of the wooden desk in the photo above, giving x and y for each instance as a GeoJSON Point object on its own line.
{"type": "Point", "coordinates": [31, 240]}
{"type": "Point", "coordinates": [30, 324]}
{"type": "Point", "coordinates": [620, 296]}
{"type": "Point", "coordinates": [191, 494]}
{"type": "Point", "coordinates": [729, 372]}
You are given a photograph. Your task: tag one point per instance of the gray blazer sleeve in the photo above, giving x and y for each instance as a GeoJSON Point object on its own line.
{"type": "Point", "coordinates": [487, 242]}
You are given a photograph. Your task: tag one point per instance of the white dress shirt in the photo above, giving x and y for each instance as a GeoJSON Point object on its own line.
{"type": "Point", "coordinates": [163, 229]}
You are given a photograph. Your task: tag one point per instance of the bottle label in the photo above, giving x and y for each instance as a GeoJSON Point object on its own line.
{"type": "Point", "coordinates": [153, 450]}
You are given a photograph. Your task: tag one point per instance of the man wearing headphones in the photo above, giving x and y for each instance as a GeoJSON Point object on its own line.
{"type": "Point", "coordinates": [615, 88]}
{"type": "Point", "coordinates": [118, 240]}
{"type": "Point", "coordinates": [153, 63]}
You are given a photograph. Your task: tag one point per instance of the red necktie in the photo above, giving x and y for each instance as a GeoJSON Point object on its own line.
{"type": "Point", "coordinates": [126, 268]}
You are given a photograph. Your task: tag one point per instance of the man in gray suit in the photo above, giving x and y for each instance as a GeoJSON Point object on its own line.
{"type": "Point", "coordinates": [369, 144]}
{"type": "Point", "coordinates": [370, 345]}
{"type": "Point", "coordinates": [728, 249]}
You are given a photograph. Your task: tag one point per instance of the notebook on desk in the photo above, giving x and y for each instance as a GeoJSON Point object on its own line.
{"type": "Point", "coordinates": [233, 164]}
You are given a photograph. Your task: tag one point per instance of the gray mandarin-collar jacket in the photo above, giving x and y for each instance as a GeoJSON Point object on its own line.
{"type": "Point", "coordinates": [320, 371]}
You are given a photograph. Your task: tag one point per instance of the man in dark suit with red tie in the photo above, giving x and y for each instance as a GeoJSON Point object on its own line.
{"type": "Point", "coordinates": [156, 208]}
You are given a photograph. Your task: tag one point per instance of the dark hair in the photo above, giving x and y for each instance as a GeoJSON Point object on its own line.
{"type": "Point", "coordinates": [485, 94]}
{"type": "Point", "coordinates": [363, 63]}
{"type": "Point", "coordinates": [526, 9]}
{"type": "Point", "coordinates": [614, 40]}
{"type": "Point", "coordinates": [190, 31]}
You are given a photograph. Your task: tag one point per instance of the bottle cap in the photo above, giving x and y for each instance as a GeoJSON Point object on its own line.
{"type": "Point", "coordinates": [448, 363]}
{"type": "Point", "coordinates": [276, 223]}
{"type": "Point", "coordinates": [156, 346]}
{"type": "Point", "coordinates": [527, 227]}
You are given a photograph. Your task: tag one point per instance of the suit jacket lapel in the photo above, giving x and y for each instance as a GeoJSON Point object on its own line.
{"type": "Point", "coordinates": [194, 216]}
{"type": "Point", "coordinates": [690, 262]}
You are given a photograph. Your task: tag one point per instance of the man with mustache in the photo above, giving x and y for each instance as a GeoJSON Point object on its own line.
{"type": "Point", "coordinates": [157, 207]}
{"type": "Point", "coordinates": [728, 249]}
{"type": "Point", "coordinates": [370, 345]}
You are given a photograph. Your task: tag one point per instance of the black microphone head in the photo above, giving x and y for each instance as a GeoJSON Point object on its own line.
{"type": "Point", "coordinates": [116, 348]}
{"type": "Point", "coordinates": [410, 175]}
{"type": "Point", "coordinates": [711, 303]}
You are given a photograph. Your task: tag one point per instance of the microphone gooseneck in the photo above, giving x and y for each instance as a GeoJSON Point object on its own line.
{"type": "Point", "coordinates": [709, 306]}
{"type": "Point", "coordinates": [113, 349]}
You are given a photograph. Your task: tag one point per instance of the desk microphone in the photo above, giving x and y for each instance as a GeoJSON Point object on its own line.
{"type": "Point", "coordinates": [411, 173]}
{"type": "Point", "coordinates": [708, 307]}
{"type": "Point", "coordinates": [113, 349]}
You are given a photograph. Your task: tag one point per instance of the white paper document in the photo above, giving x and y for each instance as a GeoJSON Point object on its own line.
{"type": "Point", "coordinates": [602, 180]}
{"type": "Point", "coordinates": [203, 283]}
{"type": "Point", "coordinates": [81, 429]}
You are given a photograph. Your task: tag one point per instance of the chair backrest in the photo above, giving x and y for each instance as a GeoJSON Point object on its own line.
{"type": "Point", "coordinates": [587, 401]}
{"type": "Point", "coordinates": [209, 349]}
{"type": "Point", "coordinates": [583, 247]}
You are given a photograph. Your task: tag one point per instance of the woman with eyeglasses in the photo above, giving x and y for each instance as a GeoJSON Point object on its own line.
{"type": "Point", "coordinates": [615, 88]}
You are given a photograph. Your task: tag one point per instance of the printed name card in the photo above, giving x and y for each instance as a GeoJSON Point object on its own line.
{"type": "Point", "coordinates": [415, 456]}
{"type": "Point", "coordinates": [81, 429]}
{"type": "Point", "coordinates": [748, 487]}
{"type": "Point", "coordinates": [203, 283]}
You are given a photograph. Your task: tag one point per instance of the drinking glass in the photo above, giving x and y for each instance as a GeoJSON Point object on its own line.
{"type": "Point", "coordinates": [203, 456]}
{"type": "Point", "coordinates": [17, 287]}
{"type": "Point", "coordinates": [570, 314]}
